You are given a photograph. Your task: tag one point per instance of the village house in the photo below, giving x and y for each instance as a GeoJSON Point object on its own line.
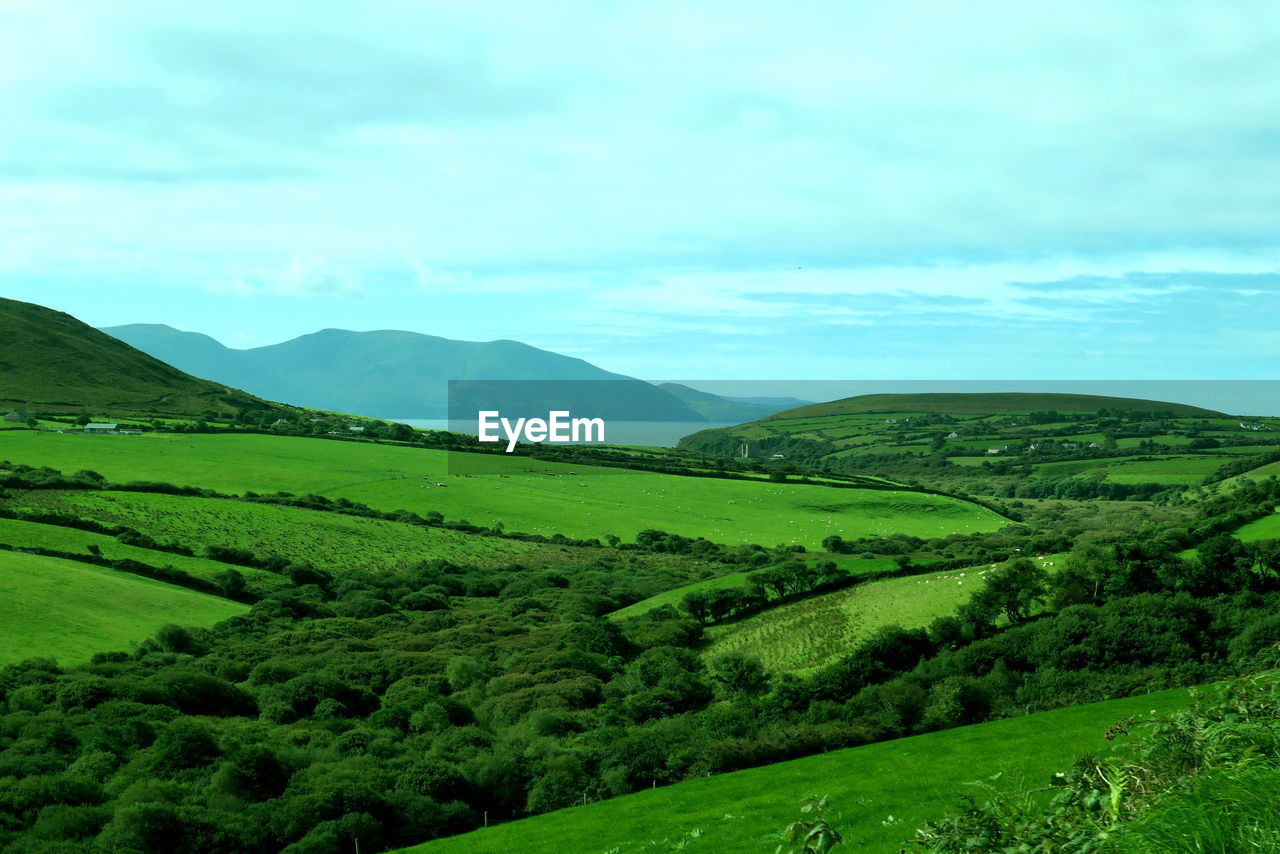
{"type": "Point", "coordinates": [99, 427]}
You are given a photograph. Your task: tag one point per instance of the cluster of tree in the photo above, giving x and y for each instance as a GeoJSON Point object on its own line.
{"type": "Point", "coordinates": [764, 588]}
{"type": "Point", "coordinates": [396, 707]}
{"type": "Point", "coordinates": [1240, 466]}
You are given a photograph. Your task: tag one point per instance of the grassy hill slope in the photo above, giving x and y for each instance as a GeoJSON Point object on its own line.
{"type": "Point", "coordinates": [52, 608]}
{"type": "Point", "coordinates": [54, 363]}
{"type": "Point", "coordinates": [880, 793]}
{"type": "Point", "coordinates": [588, 504]}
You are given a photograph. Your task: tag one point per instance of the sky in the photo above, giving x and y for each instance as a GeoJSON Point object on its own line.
{"type": "Point", "coordinates": [818, 190]}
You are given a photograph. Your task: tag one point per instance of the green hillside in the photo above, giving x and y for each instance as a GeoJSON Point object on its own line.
{"type": "Point", "coordinates": [880, 793]}
{"type": "Point", "coordinates": [331, 541]}
{"type": "Point", "coordinates": [588, 504]}
{"type": "Point", "coordinates": [978, 403]}
{"type": "Point", "coordinates": [54, 363]}
{"type": "Point", "coordinates": [52, 608]}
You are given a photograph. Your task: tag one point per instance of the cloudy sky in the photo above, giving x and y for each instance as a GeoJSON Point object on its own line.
{"type": "Point", "coordinates": [700, 189]}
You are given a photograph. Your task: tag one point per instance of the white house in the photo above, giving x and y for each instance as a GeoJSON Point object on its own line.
{"type": "Point", "coordinates": [99, 427]}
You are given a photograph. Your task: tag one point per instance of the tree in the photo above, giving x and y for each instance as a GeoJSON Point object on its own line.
{"type": "Point", "coordinates": [739, 673]}
{"type": "Point", "coordinates": [1014, 589]}
{"type": "Point", "coordinates": [231, 582]}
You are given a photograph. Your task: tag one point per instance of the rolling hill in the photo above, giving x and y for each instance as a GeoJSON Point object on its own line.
{"type": "Point", "coordinates": [979, 403]}
{"type": "Point", "coordinates": [54, 363]}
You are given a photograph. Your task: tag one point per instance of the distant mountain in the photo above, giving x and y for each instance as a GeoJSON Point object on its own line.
{"type": "Point", "coordinates": [392, 374]}
{"type": "Point", "coordinates": [983, 403]}
{"type": "Point", "coordinates": [51, 362]}
{"type": "Point", "coordinates": [714, 407]}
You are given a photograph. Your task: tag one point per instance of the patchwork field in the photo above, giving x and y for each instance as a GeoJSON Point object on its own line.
{"type": "Point", "coordinates": [880, 793]}
{"type": "Point", "coordinates": [53, 608]}
{"type": "Point", "coordinates": [575, 501]}
{"type": "Point", "coordinates": [1184, 470]}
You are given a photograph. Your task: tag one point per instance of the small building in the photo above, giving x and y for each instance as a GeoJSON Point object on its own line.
{"type": "Point", "coordinates": [775, 456]}
{"type": "Point", "coordinates": [99, 427]}
{"type": "Point", "coordinates": [953, 435]}
{"type": "Point", "coordinates": [18, 415]}
{"type": "Point", "coordinates": [998, 449]}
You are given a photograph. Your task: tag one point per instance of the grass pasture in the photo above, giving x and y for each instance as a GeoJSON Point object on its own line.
{"type": "Point", "coordinates": [1266, 528]}
{"type": "Point", "coordinates": [1179, 470]}
{"type": "Point", "coordinates": [27, 535]}
{"type": "Point", "coordinates": [575, 501]}
{"type": "Point", "coordinates": [1260, 473]}
{"type": "Point", "coordinates": [880, 793]}
{"type": "Point", "coordinates": [67, 610]}
{"type": "Point", "coordinates": [808, 633]}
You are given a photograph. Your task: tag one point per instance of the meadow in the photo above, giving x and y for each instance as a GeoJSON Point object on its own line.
{"type": "Point", "coordinates": [576, 501]}
{"type": "Point", "coordinates": [879, 793]}
{"type": "Point", "coordinates": [34, 535]}
{"type": "Point", "coordinates": [62, 609]}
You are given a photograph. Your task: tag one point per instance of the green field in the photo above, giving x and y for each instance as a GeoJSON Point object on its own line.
{"type": "Point", "coordinates": [14, 532]}
{"type": "Point", "coordinates": [880, 793]}
{"type": "Point", "coordinates": [1269, 470]}
{"type": "Point", "coordinates": [1266, 528]}
{"type": "Point", "coordinates": [67, 610]}
{"type": "Point", "coordinates": [590, 503]}
{"type": "Point", "coordinates": [806, 634]}
{"type": "Point", "coordinates": [331, 541]}
{"type": "Point", "coordinates": [1184, 470]}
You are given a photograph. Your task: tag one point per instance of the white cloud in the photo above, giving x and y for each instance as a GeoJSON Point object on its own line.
{"type": "Point", "coordinates": [300, 277]}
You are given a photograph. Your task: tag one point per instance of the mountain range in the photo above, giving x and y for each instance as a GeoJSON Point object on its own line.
{"type": "Point", "coordinates": [405, 375]}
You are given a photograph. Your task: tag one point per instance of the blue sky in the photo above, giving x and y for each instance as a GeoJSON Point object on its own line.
{"type": "Point", "coordinates": [821, 190]}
